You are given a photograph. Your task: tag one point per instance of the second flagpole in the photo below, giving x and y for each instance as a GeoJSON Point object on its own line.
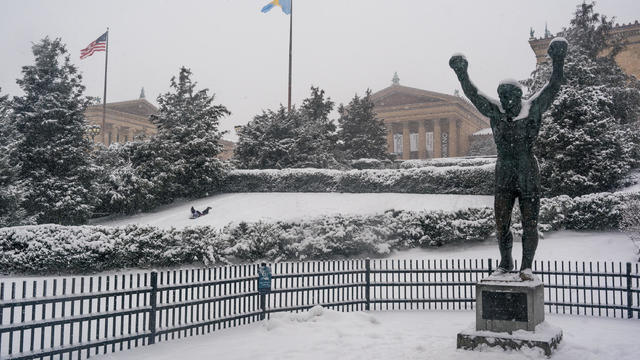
{"type": "Point", "coordinates": [290, 48]}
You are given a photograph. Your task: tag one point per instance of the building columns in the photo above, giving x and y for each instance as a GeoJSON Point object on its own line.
{"type": "Point", "coordinates": [422, 140]}
{"type": "Point", "coordinates": [406, 142]}
{"type": "Point", "coordinates": [437, 141]}
{"type": "Point", "coordinates": [453, 138]}
{"type": "Point", "coordinates": [389, 137]}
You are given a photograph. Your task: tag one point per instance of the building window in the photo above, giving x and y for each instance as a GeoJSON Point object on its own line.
{"type": "Point", "coordinates": [397, 143]}
{"type": "Point", "coordinates": [126, 138]}
{"type": "Point", "coordinates": [109, 143]}
{"type": "Point", "coordinates": [413, 142]}
{"type": "Point", "coordinates": [118, 137]}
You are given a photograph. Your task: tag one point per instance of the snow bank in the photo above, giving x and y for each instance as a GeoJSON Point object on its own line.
{"type": "Point", "coordinates": [327, 334]}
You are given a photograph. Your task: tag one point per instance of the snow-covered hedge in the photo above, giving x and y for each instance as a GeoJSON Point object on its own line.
{"type": "Point", "coordinates": [421, 180]}
{"type": "Point", "coordinates": [54, 248]}
{"type": "Point", "coordinates": [468, 161]}
{"type": "Point", "coordinates": [365, 163]}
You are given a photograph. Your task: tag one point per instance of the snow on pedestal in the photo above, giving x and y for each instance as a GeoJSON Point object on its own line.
{"type": "Point", "coordinates": [510, 314]}
{"type": "Point", "coordinates": [545, 337]}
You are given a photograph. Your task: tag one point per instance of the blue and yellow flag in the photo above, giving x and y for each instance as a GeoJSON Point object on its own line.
{"type": "Point", "coordinates": [284, 4]}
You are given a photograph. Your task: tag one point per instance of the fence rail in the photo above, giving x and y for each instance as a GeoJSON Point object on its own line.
{"type": "Point", "coordinates": [77, 317]}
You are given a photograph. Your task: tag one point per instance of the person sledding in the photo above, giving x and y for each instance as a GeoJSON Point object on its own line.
{"type": "Point", "coordinates": [197, 213]}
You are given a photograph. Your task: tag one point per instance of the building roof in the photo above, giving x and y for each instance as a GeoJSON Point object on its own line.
{"type": "Point", "coordinates": [399, 96]}
{"type": "Point", "coordinates": [140, 107]}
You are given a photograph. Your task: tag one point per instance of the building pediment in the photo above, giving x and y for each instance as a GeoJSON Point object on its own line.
{"type": "Point", "coordinates": [400, 98]}
{"type": "Point", "coordinates": [140, 107]}
{"type": "Point", "coordinates": [397, 95]}
{"type": "Point", "coordinates": [137, 107]}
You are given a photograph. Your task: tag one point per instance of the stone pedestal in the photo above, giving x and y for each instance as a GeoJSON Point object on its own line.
{"type": "Point", "coordinates": [508, 304]}
{"type": "Point", "coordinates": [510, 314]}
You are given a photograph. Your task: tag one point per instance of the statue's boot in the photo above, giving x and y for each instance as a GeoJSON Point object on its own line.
{"type": "Point", "coordinates": [527, 275]}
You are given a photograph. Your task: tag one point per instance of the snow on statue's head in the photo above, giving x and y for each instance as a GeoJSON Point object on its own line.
{"type": "Point", "coordinates": [510, 92]}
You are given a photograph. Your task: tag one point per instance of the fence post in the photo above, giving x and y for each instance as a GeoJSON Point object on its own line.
{"type": "Point", "coordinates": [367, 263]}
{"type": "Point", "coordinates": [490, 262]}
{"type": "Point", "coordinates": [629, 294]}
{"type": "Point", "coordinates": [153, 301]}
{"type": "Point", "coordinates": [263, 306]}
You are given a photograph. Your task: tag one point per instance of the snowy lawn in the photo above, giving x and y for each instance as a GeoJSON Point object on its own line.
{"type": "Point", "coordinates": [327, 334]}
{"type": "Point", "coordinates": [250, 207]}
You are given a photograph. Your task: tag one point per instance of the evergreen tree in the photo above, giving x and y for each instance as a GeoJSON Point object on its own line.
{"type": "Point", "coordinates": [10, 211]}
{"type": "Point", "coordinates": [303, 137]}
{"type": "Point", "coordinates": [315, 143]}
{"type": "Point", "coordinates": [584, 144]}
{"type": "Point", "coordinates": [266, 142]}
{"type": "Point", "coordinates": [180, 160]}
{"type": "Point", "coordinates": [362, 134]}
{"type": "Point", "coordinates": [55, 173]}
{"type": "Point", "coordinates": [121, 188]}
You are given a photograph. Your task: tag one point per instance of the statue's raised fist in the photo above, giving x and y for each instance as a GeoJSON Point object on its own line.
{"type": "Point", "coordinates": [558, 49]}
{"type": "Point", "coordinates": [458, 63]}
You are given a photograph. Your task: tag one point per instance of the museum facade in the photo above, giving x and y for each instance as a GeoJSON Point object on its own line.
{"type": "Point", "coordinates": [425, 124]}
{"type": "Point", "coordinates": [124, 121]}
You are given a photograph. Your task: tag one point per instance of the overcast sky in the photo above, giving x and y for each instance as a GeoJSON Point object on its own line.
{"type": "Point", "coordinates": [241, 54]}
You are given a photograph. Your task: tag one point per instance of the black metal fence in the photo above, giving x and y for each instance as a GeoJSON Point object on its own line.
{"type": "Point", "coordinates": [77, 317]}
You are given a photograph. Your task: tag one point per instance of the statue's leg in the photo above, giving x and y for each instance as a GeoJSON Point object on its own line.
{"type": "Point", "coordinates": [503, 205]}
{"type": "Point", "coordinates": [529, 208]}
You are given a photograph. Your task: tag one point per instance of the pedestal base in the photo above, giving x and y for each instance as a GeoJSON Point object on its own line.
{"type": "Point", "coordinates": [545, 337]}
{"type": "Point", "coordinates": [506, 303]}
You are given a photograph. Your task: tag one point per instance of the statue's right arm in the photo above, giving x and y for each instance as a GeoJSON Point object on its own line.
{"type": "Point", "coordinates": [485, 106]}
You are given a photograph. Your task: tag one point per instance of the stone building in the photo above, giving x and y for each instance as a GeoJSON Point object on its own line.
{"type": "Point", "coordinates": [124, 120]}
{"type": "Point", "coordinates": [628, 60]}
{"type": "Point", "coordinates": [424, 124]}
{"type": "Point", "coordinates": [227, 149]}
{"type": "Point", "coordinates": [128, 120]}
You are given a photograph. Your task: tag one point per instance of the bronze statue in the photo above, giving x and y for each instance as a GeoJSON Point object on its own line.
{"type": "Point", "coordinates": [515, 124]}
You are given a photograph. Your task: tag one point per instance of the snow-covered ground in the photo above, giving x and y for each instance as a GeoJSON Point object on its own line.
{"type": "Point", "coordinates": [237, 207]}
{"type": "Point", "coordinates": [327, 334]}
{"type": "Point", "coordinates": [559, 245]}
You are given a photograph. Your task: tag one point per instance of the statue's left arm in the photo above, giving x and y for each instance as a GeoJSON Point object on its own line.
{"type": "Point", "coordinates": [544, 98]}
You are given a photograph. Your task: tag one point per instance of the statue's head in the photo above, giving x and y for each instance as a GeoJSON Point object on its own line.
{"type": "Point", "coordinates": [510, 93]}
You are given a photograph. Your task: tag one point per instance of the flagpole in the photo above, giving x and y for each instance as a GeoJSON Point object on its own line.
{"type": "Point", "coordinates": [104, 98]}
{"type": "Point", "coordinates": [290, 47]}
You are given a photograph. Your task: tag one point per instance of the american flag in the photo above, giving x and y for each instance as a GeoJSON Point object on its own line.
{"type": "Point", "coordinates": [100, 44]}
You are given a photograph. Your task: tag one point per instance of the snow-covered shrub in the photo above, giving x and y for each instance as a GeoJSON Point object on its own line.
{"type": "Point", "coordinates": [424, 180]}
{"type": "Point", "coordinates": [630, 222]}
{"type": "Point", "coordinates": [595, 211]}
{"type": "Point", "coordinates": [251, 242]}
{"type": "Point", "coordinates": [366, 163]}
{"type": "Point", "coordinates": [55, 248]}
{"type": "Point", "coordinates": [439, 162]}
